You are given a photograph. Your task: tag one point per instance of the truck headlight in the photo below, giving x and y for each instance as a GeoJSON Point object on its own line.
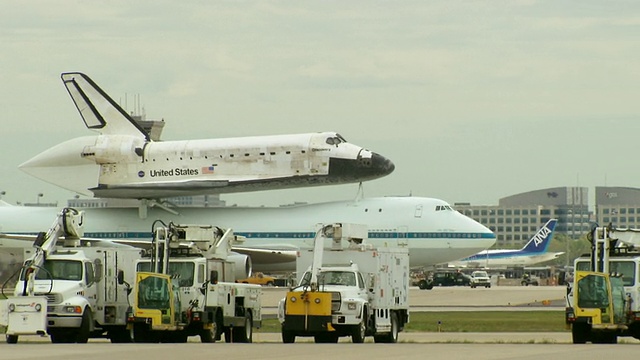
{"type": "Point", "coordinates": [317, 300]}
{"type": "Point", "coordinates": [38, 307]}
{"type": "Point", "coordinates": [293, 299]}
{"type": "Point", "coordinates": [12, 307]}
{"type": "Point", "coordinates": [73, 309]}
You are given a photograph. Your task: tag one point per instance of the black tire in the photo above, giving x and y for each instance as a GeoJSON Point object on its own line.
{"type": "Point", "coordinates": [119, 335]}
{"type": "Point", "coordinates": [422, 284]}
{"type": "Point", "coordinates": [209, 335]}
{"type": "Point", "coordinates": [392, 336]}
{"type": "Point", "coordinates": [12, 339]}
{"type": "Point", "coordinates": [288, 337]}
{"type": "Point", "coordinates": [244, 334]}
{"type": "Point", "coordinates": [61, 337]}
{"type": "Point", "coordinates": [82, 336]}
{"type": "Point", "coordinates": [359, 332]}
{"type": "Point", "coordinates": [580, 333]}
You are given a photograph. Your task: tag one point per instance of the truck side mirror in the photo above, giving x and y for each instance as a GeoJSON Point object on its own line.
{"type": "Point", "coordinates": [120, 277]}
{"type": "Point", "coordinates": [213, 276]}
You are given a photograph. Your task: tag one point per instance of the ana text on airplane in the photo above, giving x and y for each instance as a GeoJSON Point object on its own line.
{"type": "Point", "coordinates": [124, 162]}
{"type": "Point", "coordinates": [541, 235]}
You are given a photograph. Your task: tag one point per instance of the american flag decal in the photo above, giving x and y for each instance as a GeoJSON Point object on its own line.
{"type": "Point", "coordinates": [207, 170]}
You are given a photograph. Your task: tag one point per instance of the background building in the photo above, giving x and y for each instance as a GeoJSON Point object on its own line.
{"type": "Point", "coordinates": [517, 217]}
{"type": "Point", "coordinates": [619, 206]}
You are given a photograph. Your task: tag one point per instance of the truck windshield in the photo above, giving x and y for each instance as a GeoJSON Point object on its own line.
{"type": "Point", "coordinates": [58, 270]}
{"type": "Point", "coordinates": [154, 293]}
{"type": "Point", "coordinates": [345, 278]}
{"type": "Point", "coordinates": [593, 291]}
{"type": "Point", "coordinates": [182, 271]}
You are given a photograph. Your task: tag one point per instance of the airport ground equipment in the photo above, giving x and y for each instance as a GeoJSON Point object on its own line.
{"type": "Point", "coordinates": [186, 287]}
{"type": "Point", "coordinates": [71, 288]}
{"type": "Point", "coordinates": [603, 302]}
{"type": "Point", "coordinates": [348, 289]}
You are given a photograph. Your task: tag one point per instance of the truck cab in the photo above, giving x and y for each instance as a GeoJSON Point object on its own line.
{"type": "Point", "coordinates": [354, 291]}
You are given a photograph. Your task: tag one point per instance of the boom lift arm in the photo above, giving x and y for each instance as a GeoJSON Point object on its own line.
{"type": "Point", "coordinates": [69, 225]}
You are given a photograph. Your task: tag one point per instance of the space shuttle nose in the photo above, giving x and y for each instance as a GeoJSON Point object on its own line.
{"type": "Point", "coordinates": [367, 166]}
{"type": "Point", "coordinates": [382, 165]}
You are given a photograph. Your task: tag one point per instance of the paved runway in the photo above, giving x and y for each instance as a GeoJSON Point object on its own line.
{"type": "Point", "coordinates": [450, 346]}
{"type": "Point", "coordinates": [450, 351]}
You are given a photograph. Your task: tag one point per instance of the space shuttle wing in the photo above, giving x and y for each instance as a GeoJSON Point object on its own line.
{"type": "Point", "coordinates": [151, 190]}
{"type": "Point", "coordinates": [266, 255]}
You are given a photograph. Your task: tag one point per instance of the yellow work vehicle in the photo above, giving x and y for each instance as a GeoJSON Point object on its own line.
{"type": "Point", "coordinates": [186, 287]}
{"type": "Point", "coordinates": [603, 302]}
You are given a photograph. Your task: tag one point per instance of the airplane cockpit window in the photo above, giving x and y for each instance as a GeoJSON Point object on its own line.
{"type": "Point", "coordinates": [444, 208]}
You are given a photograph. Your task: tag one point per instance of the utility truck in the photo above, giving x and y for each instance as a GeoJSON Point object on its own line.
{"type": "Point", "coordinates": [603, 302]}
{"type": "Point", "coordinates": [349, 289]}
{"type": "Point", "coordinates": [186, 287]}
{"type": "Point", "coordinates": [71, 288]}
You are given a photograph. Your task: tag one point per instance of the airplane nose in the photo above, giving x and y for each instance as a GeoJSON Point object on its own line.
{"type": "Point", "coordinates": [360, 169]}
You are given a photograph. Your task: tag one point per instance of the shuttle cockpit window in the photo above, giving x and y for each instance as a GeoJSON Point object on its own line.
{"type": "Point", "coordinates": [335, 140]}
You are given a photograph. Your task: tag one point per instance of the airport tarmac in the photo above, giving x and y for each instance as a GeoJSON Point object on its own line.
{"type": "Point", "coordinates": [450, 346]}
{"type": "Point", "coordinates": [462, 298]}
{"type": "Point", "coordinates": [448, 351]}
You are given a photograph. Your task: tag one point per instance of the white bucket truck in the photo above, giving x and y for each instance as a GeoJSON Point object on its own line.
{"type": "Point", "coordinates": [186, 287]}
{"type": "Point", "coordinates": [70, 288]}
{"type": "Point", "coordinates": [348, 289]}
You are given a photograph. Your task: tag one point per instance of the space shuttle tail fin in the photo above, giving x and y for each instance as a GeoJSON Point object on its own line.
{"type": "Point", "coordinates": [98, 111]}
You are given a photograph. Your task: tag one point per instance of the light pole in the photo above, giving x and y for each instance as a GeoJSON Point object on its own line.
{"type": "Point", "coordinates": [38, 198]}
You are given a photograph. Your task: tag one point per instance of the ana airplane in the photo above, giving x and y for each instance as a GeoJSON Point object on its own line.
{"type": "Point", "coordinates": [123, 161]}
{"type": "Point", "coordinates": [535, 251]}
{"type": "Point", "coordinates": [430, 228]}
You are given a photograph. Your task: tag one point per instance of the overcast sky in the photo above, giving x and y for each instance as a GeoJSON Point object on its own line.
{"type": "Point", "coordinates": [472, 100]}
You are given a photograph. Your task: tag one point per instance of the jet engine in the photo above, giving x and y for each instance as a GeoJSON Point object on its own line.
{"type": "Point", "coordinates": [241, 265]}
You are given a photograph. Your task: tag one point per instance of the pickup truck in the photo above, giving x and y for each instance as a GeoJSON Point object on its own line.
{"type": "Point", "coordinates": [259, 279]}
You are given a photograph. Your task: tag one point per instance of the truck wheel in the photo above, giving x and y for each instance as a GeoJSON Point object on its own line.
{"type": "Point", "coordinates": [580, 333]}
{"type": "Point", "coordinates": [358, 333]}
{"type": "Point", "coordinates": [12, 339]}
{"type": "Point", "coordinates": [119, 335]}
{"type": "Point", "coordinates": [288, 337]}
{"type": "Point", "coordinates": [209, 335]}
{"type": "Point", "coordinates": [392, 336]}
{"type": "Point", "coordinates": [82, 337]}
{"type": "Point", "coordinates": [422, 284]}
{"type": "Point", "coordinates": [244, 334]}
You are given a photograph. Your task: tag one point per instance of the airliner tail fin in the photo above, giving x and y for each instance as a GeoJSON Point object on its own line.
{"type": "Point", "coordinates": [540, 241]}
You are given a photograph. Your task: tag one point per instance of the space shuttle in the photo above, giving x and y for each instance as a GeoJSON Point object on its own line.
{"type": "Point", "coordinates": [122, 161]}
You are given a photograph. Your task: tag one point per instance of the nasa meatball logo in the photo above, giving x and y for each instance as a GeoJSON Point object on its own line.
{"type": "Point", "coordinates": [141, 173]}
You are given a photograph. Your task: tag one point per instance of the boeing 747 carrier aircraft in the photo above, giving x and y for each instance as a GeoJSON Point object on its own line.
{"type": "Point", "coordinates": [430, 228]}
{"type": "Point", "coordinates": [123, 162]}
